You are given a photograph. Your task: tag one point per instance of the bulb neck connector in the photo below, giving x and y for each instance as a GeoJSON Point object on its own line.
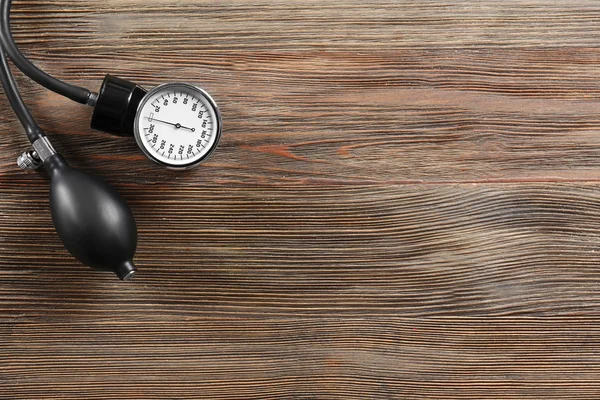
{"type": "Point", "coordinates": [126, 271]}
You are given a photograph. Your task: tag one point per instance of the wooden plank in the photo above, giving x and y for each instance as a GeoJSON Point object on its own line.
{"type": "Point", "coordinates": [297, 358]}
{"type": "Point", "coordinates": [419, 250]}
{"type": "Point", "coordinates": [352, 92]}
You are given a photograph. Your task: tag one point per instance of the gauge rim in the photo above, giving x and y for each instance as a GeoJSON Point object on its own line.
{"type": "Point", "coordinates": [136, 129]}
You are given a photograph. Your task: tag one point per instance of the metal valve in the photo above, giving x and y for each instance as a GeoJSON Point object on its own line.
{"type": "Point", "coordinates": [34, 158]}
{"type": "Point", "coordinates": [29, 160]}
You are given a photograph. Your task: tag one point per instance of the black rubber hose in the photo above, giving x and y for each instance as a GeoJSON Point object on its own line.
{"type": "Point", "coordinates": [74, 93]}
{"type": "Point", "coordinates": [14, 97]}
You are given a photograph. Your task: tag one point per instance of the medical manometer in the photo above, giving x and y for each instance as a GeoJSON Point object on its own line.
{"type": "Point", "coordinates": [176, 125]}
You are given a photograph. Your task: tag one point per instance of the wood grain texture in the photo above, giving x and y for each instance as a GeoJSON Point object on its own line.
{"type": "Point", "coordinates": [405, 204]}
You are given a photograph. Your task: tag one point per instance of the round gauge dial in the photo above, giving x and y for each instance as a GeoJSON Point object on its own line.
{"type": "Point", "coordinates": [177, 125]}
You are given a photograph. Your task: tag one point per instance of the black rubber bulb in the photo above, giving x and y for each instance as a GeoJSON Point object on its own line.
{"type": "Point", "coordinates": [92, 219]}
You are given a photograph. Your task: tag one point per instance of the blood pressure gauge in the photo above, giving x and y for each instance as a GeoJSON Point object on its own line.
{"type": "Point", "coordinates": [176, 125]}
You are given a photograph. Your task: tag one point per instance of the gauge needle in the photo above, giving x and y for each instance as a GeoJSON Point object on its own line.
{"type": "Point", "coordinates": [178, 126]}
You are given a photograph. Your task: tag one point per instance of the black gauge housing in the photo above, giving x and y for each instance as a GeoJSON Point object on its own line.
{"type": "Point", "coordinates": [116, 106]}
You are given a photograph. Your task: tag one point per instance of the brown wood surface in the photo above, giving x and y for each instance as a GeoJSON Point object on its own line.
{"type": "Point", "coordinates": [405, 205]}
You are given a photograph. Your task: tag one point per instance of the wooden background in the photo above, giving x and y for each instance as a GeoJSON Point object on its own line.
{"type": "Point", "coordinates": [405, 205]}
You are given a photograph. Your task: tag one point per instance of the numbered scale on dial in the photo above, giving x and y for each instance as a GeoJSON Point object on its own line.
{"type": "Point", "coordinates": [177, 125]}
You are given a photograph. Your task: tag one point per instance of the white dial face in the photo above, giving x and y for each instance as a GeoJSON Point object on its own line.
{"type": "Point", "coordinates": [177, 125]}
